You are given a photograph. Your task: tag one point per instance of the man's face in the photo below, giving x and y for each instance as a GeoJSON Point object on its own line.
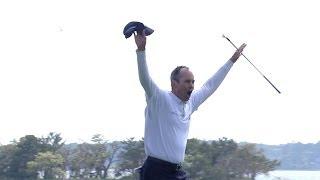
{"type": "Point", "coordinates": [184, 87]}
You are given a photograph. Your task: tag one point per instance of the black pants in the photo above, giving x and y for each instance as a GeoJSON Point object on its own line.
{"type": "Point", "coordinates": [156, 169]}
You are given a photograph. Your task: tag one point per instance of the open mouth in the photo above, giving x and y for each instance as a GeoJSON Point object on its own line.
{"type": "Point", "coordinates": [189, 92]}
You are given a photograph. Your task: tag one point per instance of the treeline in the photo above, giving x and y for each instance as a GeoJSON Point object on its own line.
{"type": "Point", "coordinates": [49, 157]}
{"type": "Point", "coordinates": [294, 156]}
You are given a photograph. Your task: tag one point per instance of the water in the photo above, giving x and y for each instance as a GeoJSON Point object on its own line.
{"type": "Point", "coordinates": [291, 175]}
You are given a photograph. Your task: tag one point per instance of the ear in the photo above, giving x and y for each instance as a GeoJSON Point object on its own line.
{"type": "Point", "coordinates": [173, 84]}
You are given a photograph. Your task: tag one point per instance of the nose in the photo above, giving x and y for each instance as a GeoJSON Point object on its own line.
{"type": "Point", "coordinates": [191, 87]}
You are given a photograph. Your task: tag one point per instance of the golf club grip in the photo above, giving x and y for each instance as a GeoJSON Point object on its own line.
{"type": "Point", "coordinates": [272, 84]}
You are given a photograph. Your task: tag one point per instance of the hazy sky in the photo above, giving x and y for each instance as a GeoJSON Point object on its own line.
{"type": "Point", "coordinates": [66, 67]}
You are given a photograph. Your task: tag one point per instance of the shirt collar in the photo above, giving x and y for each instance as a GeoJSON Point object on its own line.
{"type": "Point", "coordinates": [177, 99]}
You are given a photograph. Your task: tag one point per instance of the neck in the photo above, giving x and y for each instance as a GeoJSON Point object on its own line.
{"type": "Point", "coordinates": [180, 97]}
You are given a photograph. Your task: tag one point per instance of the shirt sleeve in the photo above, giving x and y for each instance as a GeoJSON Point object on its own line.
{"type": "Point", "coordinates": [210, 86]}
{"type": "Point", "coordinates": [147, 83]}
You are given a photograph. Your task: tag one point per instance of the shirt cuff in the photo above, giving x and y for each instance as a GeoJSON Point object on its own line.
{"type": "Point", "coordinates": [141, 54]}
{"type": "Point", "coordinates": [229, 64]}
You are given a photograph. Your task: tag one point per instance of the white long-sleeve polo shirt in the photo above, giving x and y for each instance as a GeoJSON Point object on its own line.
{"type": "Point", "coordinates": [167, 118]}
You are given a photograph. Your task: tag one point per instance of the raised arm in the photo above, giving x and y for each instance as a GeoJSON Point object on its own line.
{"type": "Point", "coordinates": [214, 82]}
{"type": "Point", "coordinates": [147, 83]}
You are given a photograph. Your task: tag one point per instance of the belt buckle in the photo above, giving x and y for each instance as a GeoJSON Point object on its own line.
{"type": "Point", "coordinates": [178, 167]}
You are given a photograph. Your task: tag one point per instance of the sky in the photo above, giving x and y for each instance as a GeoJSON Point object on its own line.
{"type": "Point", "coordinates": [66, 67]}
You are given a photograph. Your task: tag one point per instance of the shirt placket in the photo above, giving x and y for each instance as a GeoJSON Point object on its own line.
{"type": "Point", "coordinates": [183, 109]}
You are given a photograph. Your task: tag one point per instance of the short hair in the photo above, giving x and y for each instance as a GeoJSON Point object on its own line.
{"type": "Point", "coordinates": [176, 73]}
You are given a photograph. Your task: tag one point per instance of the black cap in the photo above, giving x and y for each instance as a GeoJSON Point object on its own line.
{"type": "Point", "coordinates": [138, 27]}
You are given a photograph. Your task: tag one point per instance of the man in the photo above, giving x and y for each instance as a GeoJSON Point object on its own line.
{"type": "Point", "coordinates": [167, 115]}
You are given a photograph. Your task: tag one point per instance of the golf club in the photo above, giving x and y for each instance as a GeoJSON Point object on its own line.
{"type": "Point", "coordinates": [252, 64]}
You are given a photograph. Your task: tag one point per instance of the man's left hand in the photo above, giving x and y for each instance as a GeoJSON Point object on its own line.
{"type": "Point", "coordinates": [237, 54]}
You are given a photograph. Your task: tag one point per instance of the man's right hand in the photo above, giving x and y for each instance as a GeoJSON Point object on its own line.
{"type": "Point", "coordinates": [141, 41]}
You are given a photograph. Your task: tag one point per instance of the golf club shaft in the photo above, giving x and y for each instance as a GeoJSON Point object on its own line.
{"type": "Point", "coordinates": [253, 65]}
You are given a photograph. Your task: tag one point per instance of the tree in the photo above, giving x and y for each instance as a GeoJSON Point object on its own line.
{"type": "Point", "coordinates": [251, 161]}
{"type": "Point", "coordinates": [26, 150]}
{"type": "Point", "coordinates": [91, 159]}
{"type": "Point", "coordinates": [49, 163]}
{"type": "Point", "coordinates": [202, 156]}
{"type": "Point", "coordinates": [14, 157]}
{"type": "Point", "coordinates": [225, 160]}
{"type": "Point", "coordinates": [197, 162]}
{"type": "Point", "coordinates": [53, 142]}
{"type": "Point", "coordinates": [219, 153]}
{"type": "Point", "coordinates": [6, 155]}
{"type": "Point", "coordinates": [131, 156]}
{"type": "Point", "coordinates": [80, 160]}
{"type": "Point", "coordinates": [113, 150]}
{"type": "Point", "coordinates": [104, 154]}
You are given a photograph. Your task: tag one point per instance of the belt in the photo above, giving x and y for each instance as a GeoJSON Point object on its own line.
{"type": "Point", "coordinates": [170, 165]}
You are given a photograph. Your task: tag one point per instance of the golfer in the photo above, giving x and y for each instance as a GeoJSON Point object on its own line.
{"type": "Point", "coordinates": [167, 115]}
